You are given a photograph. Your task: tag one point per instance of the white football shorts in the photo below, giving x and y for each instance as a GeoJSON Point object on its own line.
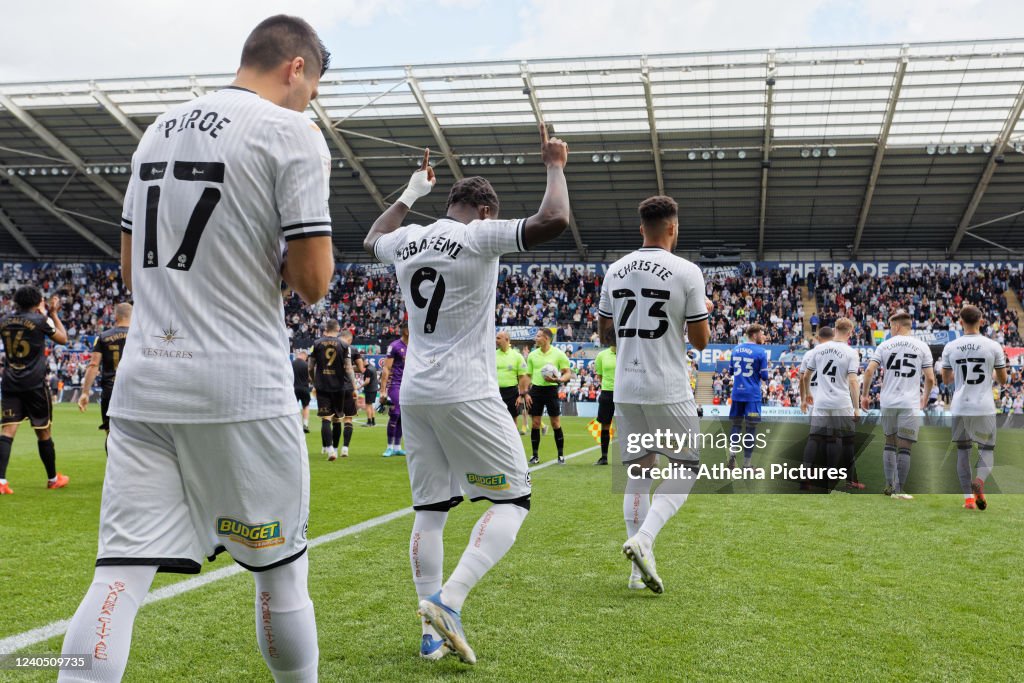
{"type": "Point", "coordinates": [636, 420]}
{"type": "Point", "coordinates": [470, 448]}
{"type": "Point", "coordinates": [981, 429]}
{"type": "Point", "coordinates": [903, 423]}
{"type": "Point", "coordinates": [832, 421]}
{"type": "Point", "coordinates": [175, 494]}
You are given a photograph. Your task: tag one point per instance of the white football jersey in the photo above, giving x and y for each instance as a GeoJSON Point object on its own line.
{"type": "Point", "coordinates": [218, 187]}
{"type": "Point", "coordinates": [902, 359]}
{"type": "Point", "coordinates": [651, 295]}
{"type": "Point", "coordinates": [812, 381]}
{"type": "Point", "coordinates": [834, 362]}
{"type": "Point", "coordinates": [448, 272]}
{"type": "Point", "coordinates": [973, 358]}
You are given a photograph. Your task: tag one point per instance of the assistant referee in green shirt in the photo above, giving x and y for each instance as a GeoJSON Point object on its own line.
{"type": "Point", "coordinates": [604, 369]}
{"type": "Point", "coordinates": [513, 380]}
{"type": "Point", "coordinates": [544, 391]}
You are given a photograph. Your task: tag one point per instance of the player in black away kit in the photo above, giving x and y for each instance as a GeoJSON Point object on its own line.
{"type": "Point", "coordinates": [301, 371]}
{"type": "Point", "coordinates": [25, 393]}
{"type": "Point", "coordinates": [106, 354]}
{"type": "Point", "coordinates": [330, 368]}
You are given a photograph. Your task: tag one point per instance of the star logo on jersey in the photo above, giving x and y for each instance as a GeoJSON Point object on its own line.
{"type": "Point", "coordinates": [635, 362]}
{"type": "Point", "coordinates": [169, 336]}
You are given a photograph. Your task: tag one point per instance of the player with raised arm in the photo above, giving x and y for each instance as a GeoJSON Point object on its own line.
{"type": "Point", "coordinates": [448, 272]}
{"type": "Point", "coordinates": [391, 379]}
{"type": "Point", "coordinates": [24, 393]}
{"type": "Point", "coordinates": [652, 302]}
{"type": "Point", "coordinates": [604, 370]}
{"type": "Point", "coordinates": [904, 361]}
{"type": "Point", "coordinates": [547, 368]}
{"type": "Point", "coordinates": [227, 198]}
{"type": "Point", "coordinates": [513, 379]}
{"type": "Point", "coordinates": [330, 368]}
{"type": "Point", "coordinates": [749, 368]}
{"type": "Point", "coordinates": [972, 363]}
{"type": "Point", "coordinates": [106, 354]}
{"type": "Point", "coordinates": [837, 399]}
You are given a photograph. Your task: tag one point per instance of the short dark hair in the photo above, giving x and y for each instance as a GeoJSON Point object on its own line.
{"type": "Point", "coordinates": [546, 332]}
{"type": "Point", "coordinates": [474, 191]}
{"type": "Point", "coordinates": [332, 325]}
{"type": "Point", "coordinates": [282, 38]}
{"type": "Point", "coordinates": [27, 297]}
{"type": "Point", "coordinates": [826, 333]}
{"type": "Point", "coordinates": [970, 314]}
{"type": "Point", "coordinates": [655, 210]}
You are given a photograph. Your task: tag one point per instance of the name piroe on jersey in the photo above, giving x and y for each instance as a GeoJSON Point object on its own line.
{"type": "Point", "coordinates": [211, 122]}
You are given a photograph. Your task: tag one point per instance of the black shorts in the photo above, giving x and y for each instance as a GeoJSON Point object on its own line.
{"type": "Point", "coordinates": [370, 397]}
{"type": "Point", "coordinates": [335, 404]}
{"type": "Point", "coordinates": [302, 396]}
{"type": "Point", "coordinates": [34, 406]}
{"type": "Point", "coordinates": [606, 407]}
{"type": "Point", "coordinates": [510, 395]}
{"type": "Point", "coordinates": [104, 406]}
{"type": "Point", "coordinates": [545, 397]}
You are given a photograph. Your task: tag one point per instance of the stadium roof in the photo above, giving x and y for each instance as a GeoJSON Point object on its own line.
{"type": "Point", "coordinates": [853, 149]}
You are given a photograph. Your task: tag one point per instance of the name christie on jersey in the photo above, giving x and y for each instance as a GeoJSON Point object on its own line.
{"type": "Point", "coordinates": [643, 266]}
{"type": "Point", "coordinates": [437, 243]}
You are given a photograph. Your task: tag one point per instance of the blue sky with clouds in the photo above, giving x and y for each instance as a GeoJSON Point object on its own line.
{"type": "Point", "coordinates": [65, 39]}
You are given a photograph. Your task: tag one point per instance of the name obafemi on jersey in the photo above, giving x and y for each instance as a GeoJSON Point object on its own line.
{"type": "Point", "coordinates": [448, 272]}
{"type": "Point", "coordinates": [651, 295]}
{"type": "Point", "coordinates": [218, 187]}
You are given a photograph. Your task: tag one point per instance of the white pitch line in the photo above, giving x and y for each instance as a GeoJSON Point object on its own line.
{"type": "Point", "coordinates": [35, 636]}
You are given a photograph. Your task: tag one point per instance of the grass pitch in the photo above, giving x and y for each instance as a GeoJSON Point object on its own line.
{"type": "Point", "coordinates": [758, 587]}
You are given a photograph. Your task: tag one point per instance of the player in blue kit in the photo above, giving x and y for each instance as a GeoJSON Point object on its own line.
{"type": "Point", "coordinates": [749, 369]}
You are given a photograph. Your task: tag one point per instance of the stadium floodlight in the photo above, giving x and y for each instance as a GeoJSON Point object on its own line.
{"type": "Point", "coordinates": [31, 171]}
{"type": "Point", "coordinates": [606, 158]}
{"type": "Point", "coordinates": [691, 156]}
{"type": "Point", "coordinates": [742, 154]}
{"type": "Point", "coordinates": [954, 149]}
{"type": "Point", "coordinates": [21, 172]}
{"type": "Point", "coordinates": [520, 160]}
{"type": "Point", "coordinates": [491, 161]}
{"type": "Point", "coordinates": [483, 161]}
{"type": "Point", "coordinates": [832, 152]}
{"type": "Point", "coordinates": [986, 148]}
{"type": "Point", "coordinates": [596, 158]}
{"type": "Point", "coordinates": [507, 161]}
{"type": "Point", "coordinates": [472, 161]}
{"type": "Point", "coordinates": [930, 149]}
{"type": "Point", "coordinates": [464, 161]}
{"type": "Point", "coordinates": [341, 164]}
{"type": "Point", "coordinates": [969, 149]}
{"type": "Point", "coordinates": [816, 152]}
{"type": "Point", "coordinates": [106, 170]}
{"type": "Point", "coordinates": [65, 171]}
{"type": "Point", "coordinates": [616, 158]}
{"type": "Point", "coordinates": [11, 171]}
{"type": "Point", "coordinates": [43, 171]}
{"type": "Point", "coordinates": [805, 152]}
{"type": "Point", "coordinates": [705, 155]}
{"type": "Point", "coordinates": [719, 154]}
{"type": "Point", "coordinates": [943, 149]}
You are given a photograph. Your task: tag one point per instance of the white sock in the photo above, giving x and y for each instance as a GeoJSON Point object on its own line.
{"type": "Point", "coordinates": [668, 498]}
{"type": "Point", "coordinates": [636, 503]}
{"type": "Point", "coordinates": [986, 461]}
{"type": "Point", "coordinates": [426, 551]}
{"type": "Point", "coordinates": [3, 481]}
{"type": "Point", "coordinates": [285, 622]}
{"type": "Point", "coordinates": [102, 625]}
{"type": "Point", "coordinates": [492, 537]}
